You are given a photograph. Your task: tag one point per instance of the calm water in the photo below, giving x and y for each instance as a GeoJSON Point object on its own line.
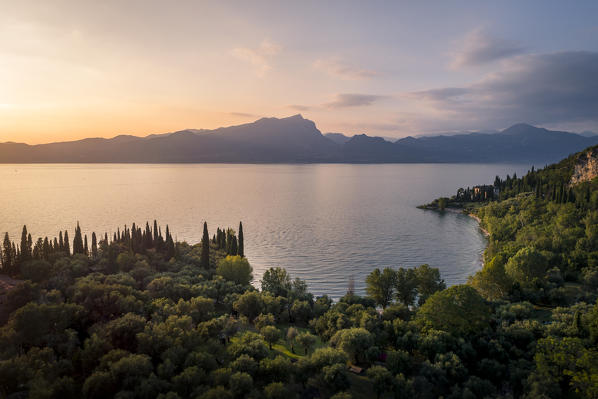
{"type": "Point", "coordinates": [323, 223]}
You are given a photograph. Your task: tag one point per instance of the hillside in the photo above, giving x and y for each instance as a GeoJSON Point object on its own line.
{"type": "Point", "coordinates": [138, 315]}
{"type": "Point", "coordinates": [298, 140]}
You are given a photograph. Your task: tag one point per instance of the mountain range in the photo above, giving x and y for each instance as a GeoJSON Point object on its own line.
{"type": "Point", "coordinates": [297, 140]}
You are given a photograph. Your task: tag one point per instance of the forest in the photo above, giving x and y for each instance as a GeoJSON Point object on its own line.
{"type": "Point", "coordinates": [138, 315]}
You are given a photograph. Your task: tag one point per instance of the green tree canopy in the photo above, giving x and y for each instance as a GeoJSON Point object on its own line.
{"type": "Point", "coordinates": [235, 268]}
{"type": "Point", "coordinates": [276, 281]}
{"type": "Point", "coordinates": [353, 341]}
{"type": "Point", "coordinates": [458, 310]}
{"type": "Point", "coordinates": [380, 286]}
{"type": "Point", "coordinates": [526, 265]}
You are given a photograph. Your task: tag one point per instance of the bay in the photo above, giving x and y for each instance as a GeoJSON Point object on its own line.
{"type": "Point", "coordinates": [324, 223]}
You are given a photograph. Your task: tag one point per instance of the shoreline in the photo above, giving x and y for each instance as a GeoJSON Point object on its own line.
{"type": "Point", "coordinates": [477, 219]}
{"type": "Point", "coordinates": [461, 211]}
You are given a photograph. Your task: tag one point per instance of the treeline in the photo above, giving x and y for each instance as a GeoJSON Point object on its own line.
{"type": "Point", "coordinates": [139, 325]}
{"type": "Point", "coordinates": [552, 183]}
{"type": "Point", "coordinates": [403, 285]}
{"type": "Point", "coordinates": [137, 240]}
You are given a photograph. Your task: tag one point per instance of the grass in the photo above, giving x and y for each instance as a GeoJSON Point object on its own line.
{"type": "Point", "coordinates": [283, 347]}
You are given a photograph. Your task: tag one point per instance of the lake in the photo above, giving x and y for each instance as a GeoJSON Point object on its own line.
{"type": "Point", "coordinates": [324, 223]}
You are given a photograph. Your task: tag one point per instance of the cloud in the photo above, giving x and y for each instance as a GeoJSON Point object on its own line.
{"type": "Point", "coordinates": [259, 57]}
{"type": "Point", "coordinates": [298, 107]}
{"type": "Point", "coordinates": [243, 115]}
{"type": "Point", "coordinates": [551, 88]}
{"type": "Point", "coordinates": [337, 68]}
{"type": "Point", "coordinates": [353, 100]}
{"type": "Point", "coordinates": [481, 48]}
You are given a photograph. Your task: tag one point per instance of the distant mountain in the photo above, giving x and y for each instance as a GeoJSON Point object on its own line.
{"type": "Point", "coordinates": [296, 139]}
{"type": "Point", "coordinates": [518, 143]}
{"type": "Point", "coordinates": [338, 138]}
{"type": "Point", "coordinates": [292, 139]}
{"type": "Point", "coordinates": [587, 133]}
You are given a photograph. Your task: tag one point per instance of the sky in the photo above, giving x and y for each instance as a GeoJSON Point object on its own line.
{"type": "Point", "coordinates": [76, 69]}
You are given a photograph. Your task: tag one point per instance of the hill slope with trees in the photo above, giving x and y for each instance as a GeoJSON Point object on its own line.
{"type": "Point", "coordinates": [138, 315]}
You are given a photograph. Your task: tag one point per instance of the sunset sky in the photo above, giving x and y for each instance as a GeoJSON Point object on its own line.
{"type": "Point", "coordinates": [75, 69]}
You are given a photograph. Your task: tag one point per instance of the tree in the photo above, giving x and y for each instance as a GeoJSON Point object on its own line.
{"type": "Point", "coordinates": [94, 245]}
{"type": "Point", "coordinates": [205, 248]}
{"type": "Point", "coordinates": [442, 202]}
{"type": "Point", "coordinates": [301, 312]}
{"type": "Point", "coordinates": [240, 384]}
{"type": "Point", "coordinates": [235, 268]}
{"type": "Point", "coordinates": [271, 335]}
{"type": "Point", "coordinates": [382, 380]}
{"type": "Point", "coordinates": [264, 320]}
{"type": "Point", "coordinates": [380, 286]}
{"type": "Point", "coordinates": [335, 377]}
{"type": "Point", "coordinates": [250, 304]}
{"type": "Point", "coordinates": [25, 246]}
{"type": "Point", "coordinates": [428, 282]}
{"type": "Point", "coordinates": [277, 282]}
{"type": "Point", "coordinates": [277, 390]}
{"type": "Point", "coordinates": [526, 265]}
{"type": "Point", "coordinates": [170, 248]}
{"type": "Point", "coordinates": [457, 310]}
{"type": "Point", "coordinates": [218, 392]}
{"type": "Point", "coordinates": [250, 344]}
{"type": "Point", "coordinates": [306, 340]}
{"type": "Point", "coordinates": [406, 286]}
{"type": "Point", "coordinates": [492, 281]}
{"type": "Point", "coordinates": [7, 256]}
{"type": "Point", "coordinates": [67, 244]}
{"type": "Point", "coordinates": [231, 242]}
{"type": "Point", "coordinates": [353, 341]}
{"type": "Point", "coordinates": [291, 335]}
{"type": "Point", "coordinates": [78, 247]}
{"type": "Point", "coordinates": [241, 249]}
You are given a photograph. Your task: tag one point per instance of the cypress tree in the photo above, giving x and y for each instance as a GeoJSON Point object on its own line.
{"type": "Point", "coordinates": [205, 248]}
{"type": "Point", "coordinates": [25, 247]}
{"type": "Point", "coordinates": [233, 246]}
{"type": "Point", "coordinates": [7, 255]}
{"type": "Point", "coordinates": [47, 249]}
{"type": "Point", "coordinates": [159, 241]}
{"type": "Point", "coordinates": [67, 244]}
{"type": "Point", "coordinates": [155, 233]}
{"type": "Point", "coordinates": [148, 239]}
{"type": "Point", "coordinates": [241, 249]}
{"type": "Point", "coordinates": [134, 238]}
{"type": "Point", "coordinates": [170, 249]}
{"type": "Point", "coordinates": [14, 251]}
{"type": "Point", "coordinates": [94, 245]}
{"type": "Point", "coordinates": [60, 242]}
{"type": "Point", "coordinates": [78, 241]}
{"type": "Point", "coordinates": [38, 249]}
{"type": "Point", "coordinates": [85, 247]}
{"type": "Point", "coordinates": [29, 243]}
{"type": "Point", "coordinates": [223, 239]}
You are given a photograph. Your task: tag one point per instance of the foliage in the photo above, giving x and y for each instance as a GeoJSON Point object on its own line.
{"type": "Point", "coordinates": [138, 315]}
{"type": "Point", "coordinates": [235, 269]}
{"type": "Point", "coordinates": [458, 310]}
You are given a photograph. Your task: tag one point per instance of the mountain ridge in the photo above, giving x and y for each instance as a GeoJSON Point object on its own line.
{"type": "Point", "coordinates": [295, 139]}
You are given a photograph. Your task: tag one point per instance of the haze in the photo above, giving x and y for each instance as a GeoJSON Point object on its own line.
{"type": "Point", "coordinates": [75, 69]}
